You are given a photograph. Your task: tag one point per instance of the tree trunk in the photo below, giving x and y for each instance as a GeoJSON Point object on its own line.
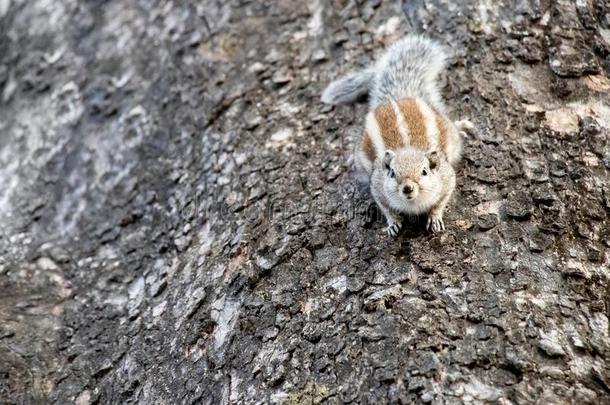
{"type": "Point", "coordinates": [181, 224]}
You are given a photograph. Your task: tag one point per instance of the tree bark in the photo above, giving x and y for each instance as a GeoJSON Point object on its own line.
{"type": "Point", "coordinates": [181, 224]}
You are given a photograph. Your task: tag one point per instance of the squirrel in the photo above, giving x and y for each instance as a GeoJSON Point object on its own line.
{"type": "Point", "coordinates": [409, 147]}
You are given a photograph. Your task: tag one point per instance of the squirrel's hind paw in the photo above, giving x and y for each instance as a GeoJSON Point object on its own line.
{"type": "Point", "coordinates": [465, 126]}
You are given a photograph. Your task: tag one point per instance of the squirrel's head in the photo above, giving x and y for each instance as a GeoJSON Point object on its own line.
{"type": "Point", "coordinates": [412, 177]}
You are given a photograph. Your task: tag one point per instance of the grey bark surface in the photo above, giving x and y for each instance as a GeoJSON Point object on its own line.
{"type": "Point", "coordinates": [180, 223]}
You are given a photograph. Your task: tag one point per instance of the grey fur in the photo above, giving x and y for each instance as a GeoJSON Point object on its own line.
{"type": "Point", "coordinates": [348, 88]}
{"type": "Point", "coordinates": [408, 68]}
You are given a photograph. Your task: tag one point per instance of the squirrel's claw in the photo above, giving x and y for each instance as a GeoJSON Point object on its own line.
{"type": "Point", "coordinates": [393, 229]}
{"type": "Point", "coordinates": [435, 224]}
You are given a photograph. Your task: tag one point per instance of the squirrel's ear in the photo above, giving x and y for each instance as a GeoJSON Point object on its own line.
{"type": "Point", "coordinates": [387, 159]}
{"type": "Point", "coordinates": [434, 159]}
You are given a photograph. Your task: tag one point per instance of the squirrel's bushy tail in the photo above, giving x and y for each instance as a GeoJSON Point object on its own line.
{"type": "Point", "coordinates": [348, 88]}
{"type": "Point", "coordinates": [408, 68]}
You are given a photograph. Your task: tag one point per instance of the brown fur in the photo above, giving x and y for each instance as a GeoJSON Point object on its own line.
{"type": "Point", "coordinates": [415, 122]}
{"type": "Point", "coordinates": [367, 146]}
{"type": "Point", "coordinates": [388, 127]}
{"type": "Point", "coordinates": [441, 123]}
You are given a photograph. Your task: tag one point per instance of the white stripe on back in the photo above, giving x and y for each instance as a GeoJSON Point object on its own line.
{"type": "Point", "coordinates": [401, 123]}
{"type": "Point", "coordinates": [372, 127]}
{"type": "Point", "coordinates": [432, 132]}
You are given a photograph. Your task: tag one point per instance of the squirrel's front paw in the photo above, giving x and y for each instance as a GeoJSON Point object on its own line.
{"type": "Point", "coordinates": [394, 229]}
{"type": "Point", "coordinates": [435, 223]}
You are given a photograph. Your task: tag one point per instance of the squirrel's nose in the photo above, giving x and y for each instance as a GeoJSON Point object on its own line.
{"type": "Point", "coordinates": [407, 189]}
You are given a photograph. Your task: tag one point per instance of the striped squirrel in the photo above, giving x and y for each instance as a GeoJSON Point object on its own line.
{"type": "Point", "coordinates": [409, 147]}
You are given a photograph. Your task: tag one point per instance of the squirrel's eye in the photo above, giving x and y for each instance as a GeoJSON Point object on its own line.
{"type": "Point", "coordinates": [424, 172]}
{"type": "Point", "coordinates": [391, 173]}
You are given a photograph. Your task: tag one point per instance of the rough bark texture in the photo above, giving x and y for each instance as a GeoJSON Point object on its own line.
{"type": "Point", "coordinates": [180, 223]}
